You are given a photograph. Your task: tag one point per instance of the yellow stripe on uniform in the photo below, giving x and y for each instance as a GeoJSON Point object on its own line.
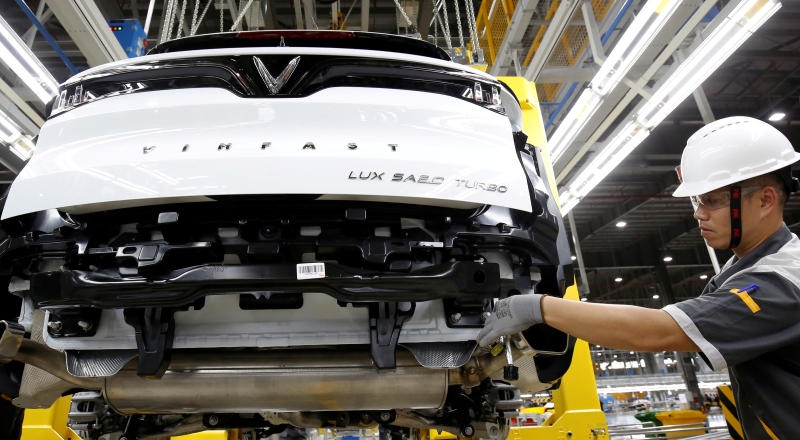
{"type": "Point", "coordinates": [748, 300]}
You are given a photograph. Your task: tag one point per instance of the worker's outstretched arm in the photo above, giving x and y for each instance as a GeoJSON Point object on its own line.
{"type": "Point", "coordinates": [609, 325]}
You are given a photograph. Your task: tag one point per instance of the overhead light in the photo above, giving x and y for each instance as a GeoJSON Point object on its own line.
{"type": "Point", "coordinates": [703, 277]}
{"type": "Point", "coordinates": [19, 58]}
{"type": "Point", "coordinates": [621, 224]}
{"type": "Point", "coordinates": [656, 296]}
{"type": "Point", "coordinates": [577, 117]}
{"type": "Point", "coordinates": [618, 279]}
{"type": "Point", "coordinates": [777, 116]}
{"type": "Point", "coordinates": [23, 148]}
{"type": "Point", "coordinates": [710, 53]}
{"type": "Point", "coordinates": [626, 139]}
{"type": "Point", "coordinates": [584, 299]}
{"type": "Point", "coordinates": [9, 132]}
{"type": "Point", "coordinates": [568, 200]}
{"type": "Point", "coordinates": [18, 142]}
{"type": "Point", "coordinates": [573, 258]}
{"type": "Point", "coordinates": [639, 36]}
{"type": "Point", "coordinates": [667, 259]}
{"type": "Point", "coordinates": [735, 27]}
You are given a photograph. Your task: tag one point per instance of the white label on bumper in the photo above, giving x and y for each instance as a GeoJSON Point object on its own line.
{"type": "Point", "coordinates": [307, 271]}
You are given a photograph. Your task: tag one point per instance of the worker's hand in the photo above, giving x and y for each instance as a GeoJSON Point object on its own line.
{"type": "Point", "coordinates": [511, 315]}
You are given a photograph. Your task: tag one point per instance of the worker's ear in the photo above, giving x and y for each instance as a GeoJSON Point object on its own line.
{"type": "Point", "coordinates": [769, 198]}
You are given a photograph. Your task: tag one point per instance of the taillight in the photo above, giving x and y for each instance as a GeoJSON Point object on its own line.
{"type": "Point", "coordinates": [251, 76]}
{"type": "Point", "coordinates": [149, 76]}
{"type": "Point", "coordinates": [487, 95]}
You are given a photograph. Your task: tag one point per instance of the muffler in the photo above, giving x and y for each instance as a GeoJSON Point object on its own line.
{"type": "Point", "coordinates": [246, 382]}
{"type": "Point", "coordinates": [283, 381]}
{"type": "Point", "coordinates": [225, 381]}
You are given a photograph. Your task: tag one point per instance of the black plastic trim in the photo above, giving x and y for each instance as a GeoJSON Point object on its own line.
{"type": "Point", "coordinates": [304, 38]}
{"type": "Point", "coordinates": [182, 287]}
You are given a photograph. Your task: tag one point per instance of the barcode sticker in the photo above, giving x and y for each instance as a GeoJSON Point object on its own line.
{"type": "Point", "coordinates": [307, 271]}
{"type": "Point", "coordinates": [436, 244]}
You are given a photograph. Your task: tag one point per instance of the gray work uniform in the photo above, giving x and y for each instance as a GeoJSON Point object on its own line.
{"type": "Point", "coordinates": [755, 334]}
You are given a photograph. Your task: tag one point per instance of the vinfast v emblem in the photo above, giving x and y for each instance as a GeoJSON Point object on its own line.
{"type": "Point", "coordinates": [274, 84]}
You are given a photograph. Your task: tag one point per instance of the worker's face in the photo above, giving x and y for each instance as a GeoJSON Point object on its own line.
{"type": "Point", "coordinates": [714, 215]}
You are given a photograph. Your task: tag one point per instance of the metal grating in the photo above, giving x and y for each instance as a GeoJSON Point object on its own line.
{"type": "Point", "coordinates": [573, 42]}
{"type": "Point", "coordinates": [548, 91]}
{"type": "Point", "coordinates": [492, 22]}
{"type": "Point", "coordinates": [534, 45]}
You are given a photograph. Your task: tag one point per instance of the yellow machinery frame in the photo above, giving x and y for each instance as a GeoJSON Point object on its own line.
{"type": "Point", "coordinates": [577, 406]}
{"type": "Point", "coordinates": [577, 413]}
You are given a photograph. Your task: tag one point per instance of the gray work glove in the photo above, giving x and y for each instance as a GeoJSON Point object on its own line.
{"type": "Point", "coordinates": [511, 315]}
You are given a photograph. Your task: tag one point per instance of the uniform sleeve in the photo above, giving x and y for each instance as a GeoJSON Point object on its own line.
{"type": "Point", "coordinates": [750, 314]}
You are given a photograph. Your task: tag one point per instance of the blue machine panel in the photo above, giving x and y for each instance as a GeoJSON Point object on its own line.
{"type": "Point", "coordinates": [130, 35]}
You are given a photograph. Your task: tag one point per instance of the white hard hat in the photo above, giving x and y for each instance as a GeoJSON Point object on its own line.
{"type": "Point", "coordinates": [731, 150]}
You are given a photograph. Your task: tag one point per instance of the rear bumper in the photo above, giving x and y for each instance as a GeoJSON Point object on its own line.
{"type": "Point", "coordinates": [185, 145]}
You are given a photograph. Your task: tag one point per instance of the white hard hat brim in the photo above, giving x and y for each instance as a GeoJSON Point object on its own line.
{"type": "Point", "coordinates": [686, 189]}
{"type": "Point", "coordinates": [732, 150]}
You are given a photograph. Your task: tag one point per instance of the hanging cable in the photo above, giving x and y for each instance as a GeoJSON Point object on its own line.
{"type": "Point", "coordinates": [473, 30]}
{"type": "Point", "coordinates": [195, 11]}
{"type": "Point", "coordinates": [403, 12]}
{"type": "Point", "coordinates": [458, 22]}
{"type": "Point", "coordinates": [221, 19]}
{"type": "Point", "coordinates": [445, 34]}
{"type": "Point", "coordinates": [310, 8]}
{"type": "Point", "coordinates": [435, 25]}
{"type": "Point", "coordinates": [169, 12]}
{"type": "Point", "coordinates": [181, 19]}
{"type": "Point", "coordinates": [241, 13]}
{"type": "Point", "coordinates": [471, 24]}
{"type": "Point", "coordinates": [202, 16]}
{"type": "Point", "coordinates": [348, 14]}
{"type": "Point", "coordinates": [446, 21]}
{"type": "Point", "coordinates": [446, 25]}
{"type": "Point", "coordinates": [436, 6]}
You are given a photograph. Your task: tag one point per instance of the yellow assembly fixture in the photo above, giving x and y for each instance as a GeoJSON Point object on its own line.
{"type": "Point", "coordinates": [577, 412]}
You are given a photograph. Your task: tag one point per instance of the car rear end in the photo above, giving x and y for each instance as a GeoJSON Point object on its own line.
{"type": "Point", "coordinates": [350, 202]}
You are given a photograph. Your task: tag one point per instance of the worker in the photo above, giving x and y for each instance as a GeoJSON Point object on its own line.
{"type": "Point", "coordinates": [737, 172]}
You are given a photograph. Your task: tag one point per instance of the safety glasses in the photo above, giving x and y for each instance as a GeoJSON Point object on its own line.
{"type": "Point", "coordinates": [720, 198]}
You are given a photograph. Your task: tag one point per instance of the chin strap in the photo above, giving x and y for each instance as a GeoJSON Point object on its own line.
{"type": "Point", "coordinates": [736, 216]}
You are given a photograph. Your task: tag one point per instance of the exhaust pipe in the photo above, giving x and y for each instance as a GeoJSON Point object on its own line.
{"type": "Point", "coordinates": [14, 347]}
{"type": "Point", "coordinates": [242, 382]}
{"type": "Point", "coordinates": [248, 382]}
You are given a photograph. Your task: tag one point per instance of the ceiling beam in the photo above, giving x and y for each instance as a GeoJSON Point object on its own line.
{"type": "Point", "coordinates": [88, 29]}
{"type": "Point", "coordinates": [555, 29]}
{"type": "Point", "coordinates": [520, 19]}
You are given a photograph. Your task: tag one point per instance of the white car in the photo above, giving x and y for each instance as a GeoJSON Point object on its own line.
{"type": "Point", "coordinates": [266, 229]}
